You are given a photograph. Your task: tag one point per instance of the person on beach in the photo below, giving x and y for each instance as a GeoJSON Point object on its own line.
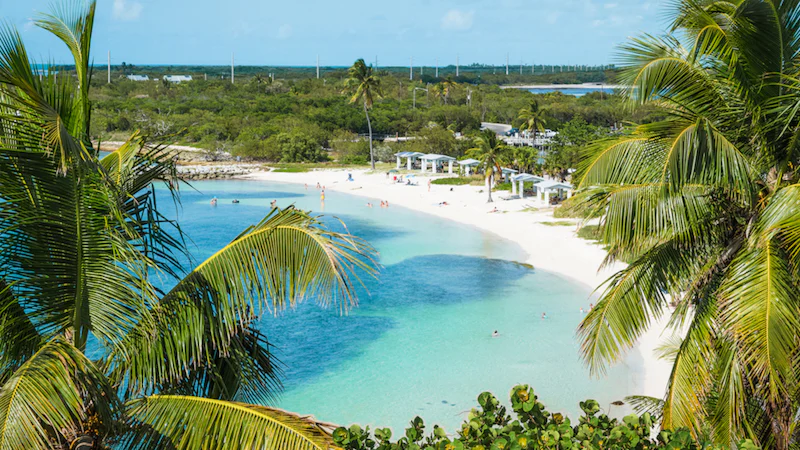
{"type": "Point", "coordinates": [322, 196]}
{"type": "Point", "coordinates": [318, 186]}
{"type": "Point", "coordinates": [387, 203]}
{"type": "Point", "coordinates": [495, 334]}
{"type": "Point", "coordinates": [349, 177]}
{"type": "Point", "coordinates": [306, 186]}
{"type": "Point", "coordinates": [235, 201]}
{"type": "Point", "coordinates": [273, 203]}
{"type": "Point", "coordinates": [382, 204]}
{"type": "Point", "coordinates": [494, 210]}
{"type": "Point", "coordinates": [429, 185]}
{"type": "Point", "coordinates": [544, 316]}
{"type": "Point", "coordinates": [369, 205]}
{"type": "Point", "coordinates": [214, 201]}
{"type": "Point", "coordinates": [591, 305]}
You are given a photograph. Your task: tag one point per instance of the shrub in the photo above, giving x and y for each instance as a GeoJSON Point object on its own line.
{"type": "Point", "coordinates": [572, 209]}
{"type": "Point", "coordinates": [458, 181]}
{"type": "Point", "coordinates": [491, 427]}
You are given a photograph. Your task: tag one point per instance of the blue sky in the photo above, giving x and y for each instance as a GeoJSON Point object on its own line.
{"type": "Point", "coordinates": [293, 32]}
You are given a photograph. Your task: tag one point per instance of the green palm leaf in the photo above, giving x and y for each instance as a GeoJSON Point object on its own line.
{"type": "Point", "coordinates": [192, 422]}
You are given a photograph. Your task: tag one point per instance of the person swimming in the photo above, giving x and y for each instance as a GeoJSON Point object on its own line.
{"type": "Point", "coordinates": [369, 205]}
{"type": "Point", "coordinates": [318, 186]}
{"type": "Point", "coordinates": [273, 203]}
{"type": "Point", "coordinates": [214, 201]}
{"type": "Point", "coordinates": [495, 334]}
{"type": "Point", "coordinates": [235, 201]}
{"type": "Point", "coordinates": [544, 316]}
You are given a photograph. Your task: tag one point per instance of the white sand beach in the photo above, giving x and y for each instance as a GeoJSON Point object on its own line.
{"type": "Point", "coordinates": [554, 248]}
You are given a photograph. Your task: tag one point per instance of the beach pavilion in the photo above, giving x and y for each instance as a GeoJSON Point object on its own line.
{"type": "Point", "coordinates": [547, 187]}
{"type": "Point", "coordinates": [468, 164]}
{"type": "Point", "coordinates": [435, 160]}
{"type": "Point", "coordinates": [522, 179]}
{"type": "Point", "coordinates": [410, 157]}
{"type": "Point", "coordinates": [509, 173]}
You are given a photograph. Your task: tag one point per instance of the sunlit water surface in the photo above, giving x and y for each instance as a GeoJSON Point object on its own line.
{"type": "Point", "coordinates": [420, 341]}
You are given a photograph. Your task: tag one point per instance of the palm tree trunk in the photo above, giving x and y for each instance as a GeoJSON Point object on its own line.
{"type": "Point", "coordinates": [489, 186]}
{"type": "Point", "coordinates": [369, 126]}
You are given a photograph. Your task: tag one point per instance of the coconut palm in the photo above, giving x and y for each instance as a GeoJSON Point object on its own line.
{"type": "Point", "coordinates": [532, 118]}
{"type": "Point", "coordinates": [704, 206]}
{"type": "Point", "coordinates": [492, 153]}
{"type": "Point", "coordinates": [93, 354]}
{"type": "Point", "coordinates": [365, 86]}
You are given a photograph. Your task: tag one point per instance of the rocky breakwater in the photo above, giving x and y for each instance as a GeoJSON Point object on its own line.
{"type": "Point", "coordinates": [216, 171]}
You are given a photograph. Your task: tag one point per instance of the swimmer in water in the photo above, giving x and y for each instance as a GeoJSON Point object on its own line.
{"type": "Point", "coordinates": [495, 333]}
{"type": "Point", "coordinates": [235, 201]}
{"type": "Point", "coordinates": [214, 201]}
{"type": "Point", "coordinates": [544, 316]}
{"type": "Point", "coordinates": [273, 203]}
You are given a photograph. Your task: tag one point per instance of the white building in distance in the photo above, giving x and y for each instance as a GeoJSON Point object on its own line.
{"type": "Point", "coordinates": [177, 78]}
{"type": "Point", "coordinates": [138, 77]}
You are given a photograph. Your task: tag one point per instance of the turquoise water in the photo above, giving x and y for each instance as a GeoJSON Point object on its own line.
{"type": "Point", "coordinates": [577, 92]}
{"type": "Point", "coordinates": [420, 342]}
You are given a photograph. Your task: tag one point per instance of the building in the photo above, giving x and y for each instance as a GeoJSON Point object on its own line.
{"type": "Point", "coordinates": [138, 77]}
{"type": "Point", "coordinates": [177, 78]}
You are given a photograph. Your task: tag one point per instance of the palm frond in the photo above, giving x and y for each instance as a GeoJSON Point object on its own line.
{"type": "Point", "coordinates": [192, 422]}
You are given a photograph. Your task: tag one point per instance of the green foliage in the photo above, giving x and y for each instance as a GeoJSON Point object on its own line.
{"type": "Point", "coordinates": [590, 232]}
{"type": "Point", "coordinates": [575, 208]}
{"type": "Point", "coordinates": [569, 143]}
{"type": "Point", "coordinates": [459, 181]}
{"type": "Point", "coordinates": [491, 427]}
{"type": "Point", "coordinates": [296, 146]}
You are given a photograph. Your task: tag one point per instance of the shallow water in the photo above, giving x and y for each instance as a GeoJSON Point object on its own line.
{"type": "Point", "coordinates": [577, 92]}
{"type": "Point", "coordinates": [420, 342]}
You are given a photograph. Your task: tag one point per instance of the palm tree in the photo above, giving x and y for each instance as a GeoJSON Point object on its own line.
{"type": "Point", "coordinates": [82, 242]}
{"type": "Point", "coordinates": [448, 85]}
{"type": "Point", "coordinates": [533, 119]}
{"type": "Point", "coordinates": [365, 87]}
{"type": "Point", "coordinates": [704, 206]}
{"type": "Point", "coordinates": [492, 153]}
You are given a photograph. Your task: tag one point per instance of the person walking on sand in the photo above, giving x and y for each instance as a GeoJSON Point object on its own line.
{"type": "Point", "coordinates": [429, 185]}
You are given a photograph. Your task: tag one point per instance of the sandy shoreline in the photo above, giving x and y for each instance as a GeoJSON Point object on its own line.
{"type": "Point", "coordinates": [554, 248]}
{"type": "Point", "coordinates": [563, 86]}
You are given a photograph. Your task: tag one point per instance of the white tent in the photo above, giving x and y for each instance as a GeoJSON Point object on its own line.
{"type": "Point", "coordinates": [468, 164]}
{"type": "Point", "coordinates": [521, 179]}
{"type": "Point", "coordinates": [435, 159]}
{"type": "Point", "coordinates": [508, 172]}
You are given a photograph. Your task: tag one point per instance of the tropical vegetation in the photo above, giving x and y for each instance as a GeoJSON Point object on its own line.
{"type": "Point", "coordinates": [366, 88]}
{"type": "Point", "coordinates": [490, 426]}
{"type": "Point", "coordinates": [108, 338]}
{"type": "Point", "coordinates": [704, 205]}
{"type": "Point", "coordinates": [492, 154]}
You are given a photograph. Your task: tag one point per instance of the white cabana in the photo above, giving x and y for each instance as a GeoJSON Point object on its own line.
{"type": "Point", "coordinates": [468, 164]}
{"type": "Point", "coordinates": [508, 172]}
{"type": "Point", "coordinates": [410, 157]}
{"type": "Point", "coordinates": [521, 179]}
{"type": "Point", "coordinates": [435, 160]}
{"type": "Point", "coordinates": [547, 187]}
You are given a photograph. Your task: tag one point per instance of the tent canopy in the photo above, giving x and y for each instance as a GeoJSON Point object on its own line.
{"type": "Point", "coordinates": [435, 157]}
{"type": "Point", "coordinates": [409, 154]}
{"type": "Point", "coordinates": [527, 177]}
{"type": "Point", "coordinates": [469, 162]}
{"type": "Point", "coordinates": [552, 185]}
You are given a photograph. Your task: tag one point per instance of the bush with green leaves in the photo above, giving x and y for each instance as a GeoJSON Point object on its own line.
{"type": "Point", "coordinates": [491, 427]}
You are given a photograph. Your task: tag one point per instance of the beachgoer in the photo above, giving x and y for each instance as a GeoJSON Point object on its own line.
{"type": "Point", "coordinates": [387, 203]}
{"type": "Point", "coordinates": [318, 185]}
{"type": "Point", "coordinates": [591, 305]}
{"type": "Point", "coordinates": [495, 333]}
{"type": "Point", "coordinates": [544, 316]}
{"type": "Point", "coordinates": [349, 177]}
{"type": "Point", "coordinates": [429, 185]}
{"type": "Point", "coordinates": [583, 311]}
{"type": "Point", "coordinates": [369, 205]}
{"type": "Point", "coordinates": [494, 210]}
{"type": "Point", "coordinates": [214, 201]}
{"type": "Point", "coordinates": [235, 201]}
{"type": "Point", "coordinates": [322, 196]}
{"type": "Point", "coordinates": [306, 186]}
{"type": "Point", "coordinates": [273, 203]}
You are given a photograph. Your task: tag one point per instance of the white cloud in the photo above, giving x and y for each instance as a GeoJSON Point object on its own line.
{"type": "Point", "coordinates": [610, 5]}
{"type": "Point", "coordinates": [284, 31]}
{"type": "Point", "coordinates": [457, 20]}
{"type": "Point", "coordinates": [126, 10]}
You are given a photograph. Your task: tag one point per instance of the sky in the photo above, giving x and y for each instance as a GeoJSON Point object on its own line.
{"type": "Point", "coordinates": [294, 32]}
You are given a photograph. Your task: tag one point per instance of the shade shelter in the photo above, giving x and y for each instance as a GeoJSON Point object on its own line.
{"type": "Point", "coordinates": [435, 160]}
{"type": "Point", "coordinates": [522, 179]}
{"type": "Point", "coordinates": [548, 187]}
{"type": "Point", "coordinates": [468, 164]}
{"type": "Point", "coordinates": [410, 157]}
{"type": "Point", "coordinates": [508, 172]}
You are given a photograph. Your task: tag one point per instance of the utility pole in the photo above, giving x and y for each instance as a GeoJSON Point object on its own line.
{"type": "Point", "coordinates": [232, 74]}
{"type": "Point", "coordinates": [411, 69]}
{"type": "Point", "coordinates": [506, 64]}
{"type": "Point", "coordinates": [318, 67]}
{"type": "Point", "coordinates": [456, 65]}
{"type": "Point", "coordinates": [376, 63]}
{"type": "Point", "coordinates": [437, 67]}
{"type": "Point", "coordinates": [109, 67]}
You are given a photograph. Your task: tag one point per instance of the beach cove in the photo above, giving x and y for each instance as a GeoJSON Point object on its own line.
{"type": "Point", "coordinates": [551, 248]}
